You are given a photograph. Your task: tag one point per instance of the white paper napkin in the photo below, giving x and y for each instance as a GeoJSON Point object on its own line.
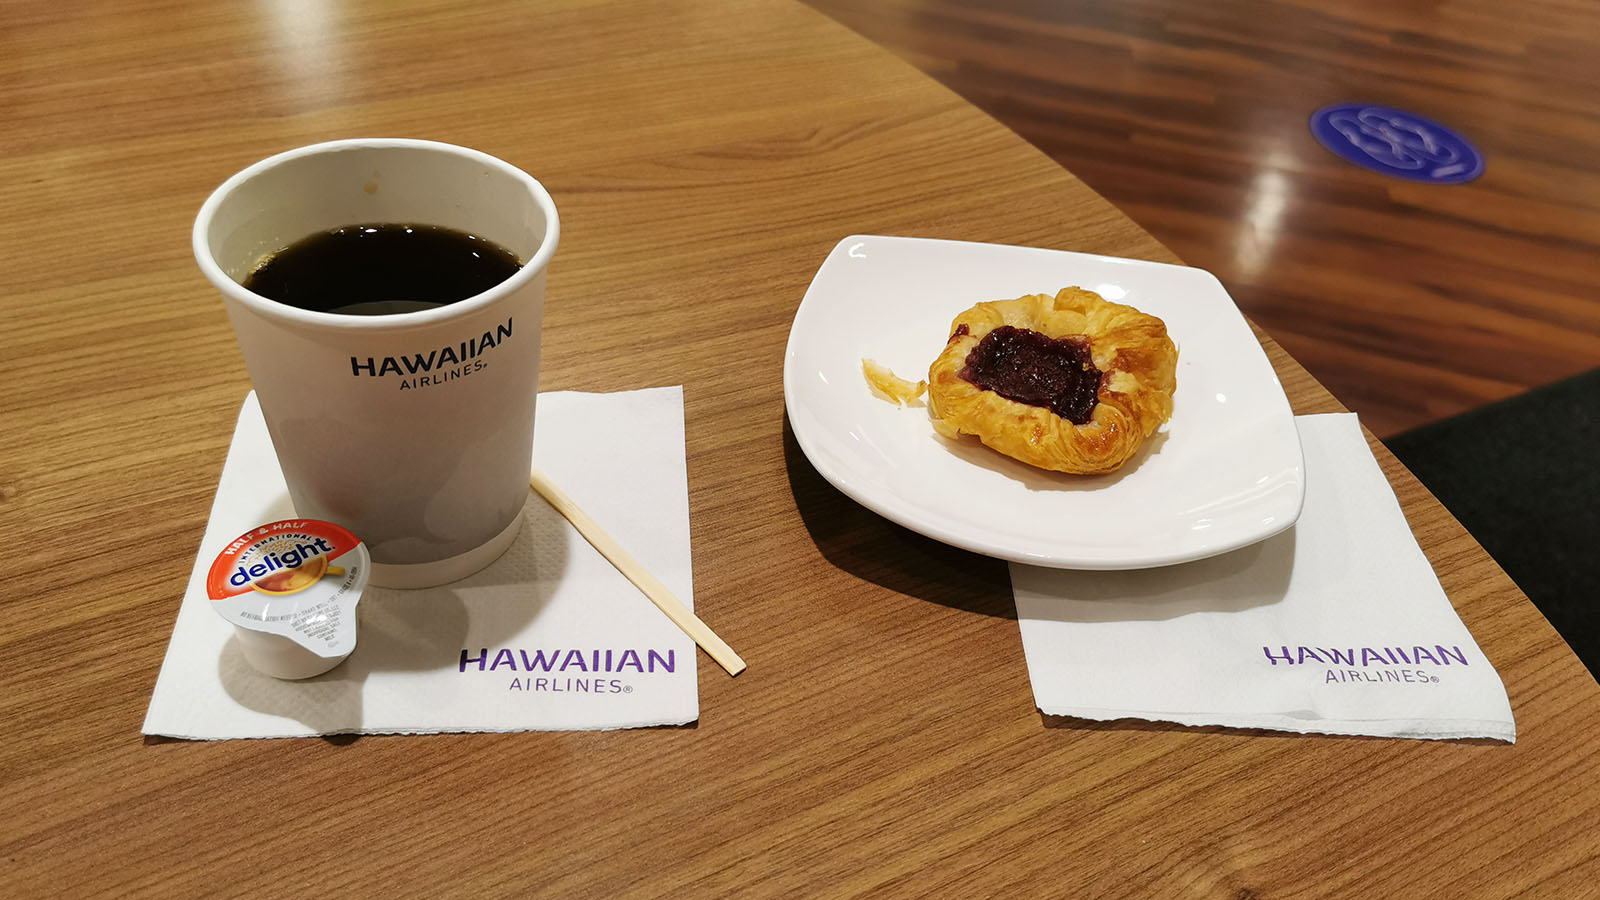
{"type": "Point", "coordinates": [1336, 626]}
{"type": "Point", "coordinates": [549, 637]}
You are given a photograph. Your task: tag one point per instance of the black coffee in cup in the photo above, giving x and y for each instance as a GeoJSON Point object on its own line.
{"type": "Point", "coordinates": [379, 269]}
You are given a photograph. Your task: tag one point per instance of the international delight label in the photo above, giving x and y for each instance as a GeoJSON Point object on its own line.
{"type": "Point", "coordinates": [298, 578]}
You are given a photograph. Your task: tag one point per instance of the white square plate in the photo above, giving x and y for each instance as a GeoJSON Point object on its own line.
{"type": "Point", "coordinates": [1225, 472]}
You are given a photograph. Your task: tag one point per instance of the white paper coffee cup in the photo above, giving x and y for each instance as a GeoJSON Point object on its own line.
{"type": "Point", "coordinates": [412, 430]}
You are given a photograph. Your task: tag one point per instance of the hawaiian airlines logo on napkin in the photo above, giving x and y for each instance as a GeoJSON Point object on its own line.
{"type": "Point", "coordinates": [1377, 665]}
{"type": "Point", "coordinates": [572, 671]}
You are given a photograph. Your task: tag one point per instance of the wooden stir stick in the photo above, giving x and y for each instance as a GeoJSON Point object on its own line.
{"type": "Point", "coordinates": [681, 615]}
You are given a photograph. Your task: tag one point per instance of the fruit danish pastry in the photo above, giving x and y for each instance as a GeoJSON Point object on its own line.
{"type": "Point", "coordinates": [1072, 383]}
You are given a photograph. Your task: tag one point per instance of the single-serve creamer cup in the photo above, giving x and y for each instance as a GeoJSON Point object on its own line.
{"type": "Point", "coordinates": [413, 429]}
{"type": "Point", "coordinates": [290, 589]}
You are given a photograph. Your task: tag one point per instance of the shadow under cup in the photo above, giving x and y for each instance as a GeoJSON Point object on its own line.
{"type": "Point", "coordinates": [413, 430]}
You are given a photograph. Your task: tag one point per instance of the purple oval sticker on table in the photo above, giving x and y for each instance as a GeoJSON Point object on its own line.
{"type": "Point", "coordinates": [1397, 143]}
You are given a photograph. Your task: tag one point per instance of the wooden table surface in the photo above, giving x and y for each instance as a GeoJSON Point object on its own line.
{"type": "Point", "coordinates": [704, 157]}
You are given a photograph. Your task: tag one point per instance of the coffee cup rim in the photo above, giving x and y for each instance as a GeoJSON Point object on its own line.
{"type": "Point", "coordinates": [531, 268]}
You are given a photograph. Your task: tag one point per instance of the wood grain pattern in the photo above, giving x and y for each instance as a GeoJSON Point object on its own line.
{"type": "Point", "coordinates": [884, 739]}
{"type": "Point", "coordinates": [1411, 302]}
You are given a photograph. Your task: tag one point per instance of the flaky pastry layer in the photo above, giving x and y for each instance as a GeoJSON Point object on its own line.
{"type": "Point", "coordinates": [1138, 365]}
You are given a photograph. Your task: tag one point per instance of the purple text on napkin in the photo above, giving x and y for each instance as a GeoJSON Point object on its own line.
{"type": "Point", "coordinates": [597, 661]}
{"type": "Point", "coordinates": [1440, 655]}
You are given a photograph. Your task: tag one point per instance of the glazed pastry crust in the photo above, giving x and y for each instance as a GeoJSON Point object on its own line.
{"type": "Point", "coordinates": [1138, 365]}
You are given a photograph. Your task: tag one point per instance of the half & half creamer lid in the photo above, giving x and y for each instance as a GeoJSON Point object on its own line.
{"type": "Point", "coordinates": [290, 589]}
